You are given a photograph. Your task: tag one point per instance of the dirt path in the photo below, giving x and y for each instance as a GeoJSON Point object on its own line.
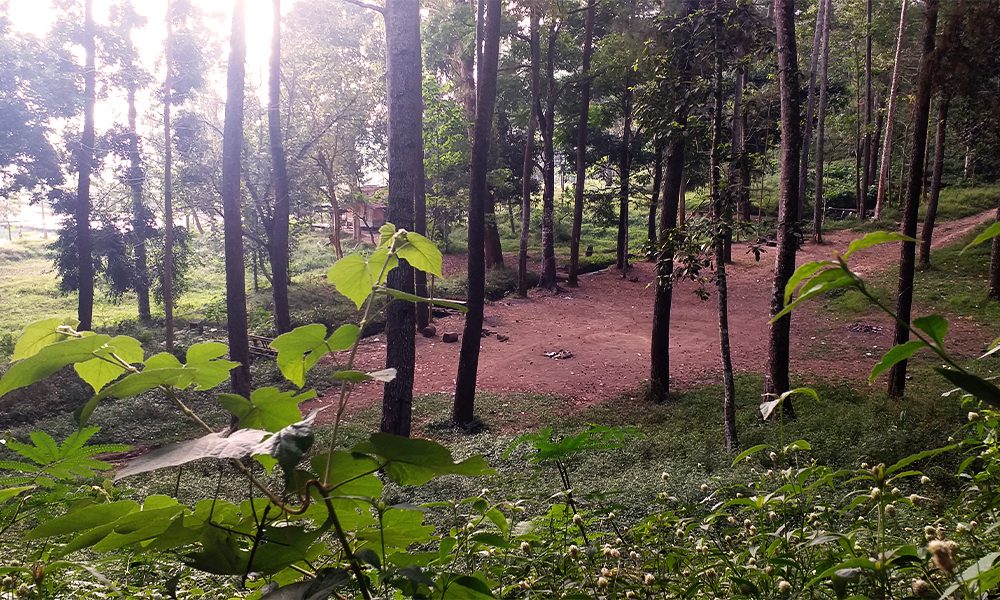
{"type": "Point", "coordinates": [606, 322]}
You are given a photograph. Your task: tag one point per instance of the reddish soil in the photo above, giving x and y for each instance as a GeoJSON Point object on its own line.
{"type": "Point", "coordinates": [605, 323]}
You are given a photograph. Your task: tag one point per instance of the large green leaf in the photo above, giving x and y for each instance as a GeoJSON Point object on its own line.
{"type": "Point", "coordinates": [875, 238]}
{"type": "Point", "coordinates": [239, 444]}
{"type": "Point", "coordinates": [805, 272]}
{"type": "Point", "coordinates": [147, 379]}
{"type": "Point", "coordinates": [991, 232]}
{"type": "Point", "coordinates": [39, 334]}
{"type": "Point", "coordinates": [822, 283]}
{"type": "Point", "coordinates": [895, 355]}
{"type": "Point", "coordinates": [352, 278]}
{"type": "Point", "coordinates": [412, 461]}
{"type": "Point", "coordinates": [977, 386]}
{"type": "Point", "coordinates": [302, 348]}
{"type": "Point", "coordinates": [83, 519]}
{"type": "Point", "coordinates": [268, 408]}
{"type": "Point", "coordinates": [401, 295]}
{"type": "Point", "coordinates": [934, 326]}
{"type": "Point", "coordinates": [421, 253]}
{"type": "Point", "coordinates": [380, 263]}
{"type": "Point", "coordinates": [13, 492]}
{"type": "Point", "coordinates": [290, 444]}
{"type": "Point", "coordinates": [50, 359]}
{"type": "Point", "coordinates": [349, 474]}
{"type": "Point", "coordinates": [767, 408]}
{"type": "Point", "coordinates": [105, 367]}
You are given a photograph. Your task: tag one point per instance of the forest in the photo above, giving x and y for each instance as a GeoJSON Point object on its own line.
{"type": "Point", "coordinates": [473, 299]}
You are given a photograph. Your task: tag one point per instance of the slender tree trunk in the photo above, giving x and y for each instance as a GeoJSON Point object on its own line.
{"type": "Point", "coordinates": [777, 377]}
{"type": "Point", "coordinates": [624, 167]}
{"type": "Point", "coordinates": [921, 110]}
{"type": "Point", "coordinates": [167, 283]}
{"type": "Point", "coordinates": [548, 279]}
{"type": "Point", "coordinates": [278, 239]}
{"type": "Point", "coordinates": [423, 314]}
{"type": "Point", "coordinates": [85, 160]}
{"type": "Point", "coordinates": [655, 201]}
{"type": "Point", "coordinates": [858, 140]}
{"type": "Point", "coordinates": [722, 217]}
{"type": "Point", "coordinates": [927, 232]}
{"type": "Point", "coordinates": [818, 201]}
{"type": "Point", "coordinates": [529, 155]}
{"type": "Point", "coordinates": [232, 143]}
{"type": "Point", "coordinates": [890, 117]}
{"type": "Point", "coordinates": [404, 85]}
{"type": "Point", "coordinates": [866, 148]}
{"type": "Point", "coordinates": [581, 144]}
{"type": "Point", "coordinates": [140, 213]}
{"type": "Point", "coordinates": [739, 188]}
{"type": "Point", "coordinates": [810, 108]}
{"type": "Point", "coordinates": [486, 95]}
{"type": "Point", "coordinates": [994, 289]}
{"type": "Point", "coordinates": [874, 141]}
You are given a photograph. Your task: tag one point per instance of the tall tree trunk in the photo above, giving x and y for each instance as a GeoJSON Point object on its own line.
{"type": "Point", "coordinates": [866, 148]}
{"type": "Point", "coordinates": [326, 166]}
{"type": "Point", "coordinates": [278, 238]}
{"type": "Point", "coordinates": [994, 290]}
{"type": "Point", "coordinates": [624, 166]}
{"type": "Point", "coordinates": [776, 380]}
{"type": "Point", "coordinates": [486, 95]}
{"type": "Point", "coordinates": [404, 89]}
{"type": "Point", "coordinates": [740, 186]}
{"type": "Point", "coordinates": [529, 154]}
{"type": "Point", "coordinates": [921, 110]}
{"type": "Point", "coordinates": [927, 233]}
{"type": "Point", "coordinates": [545, 120]}
{"type": "Point", "coordinates": [423, 314]}
{"type": "Point", "coordinates": [818, 199]}
{"type": "Point", "coordinates": [232, 143]}
{"type": "Point", "coordinates": [722, 217]}
{"type": "Point", "coordinates": [140, 213]}
{"type": "Point", "coordinates": [654, 203]}
{"type": "Point", "coordinates": [167, 284]}
{"type": "Point", "coordinates": [874, 141]}
{"type": "Point", "coordinates": [890, 117]}
{"type": "Point", "coordinates": [581, 144]}
{"type": "Point", "coordinates": [810, 108]}
{"type": "Point", "coordinates": [85, 164]}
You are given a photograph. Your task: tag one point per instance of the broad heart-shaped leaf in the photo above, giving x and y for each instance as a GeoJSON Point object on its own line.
{"type": "Point", "coordinates": [50, 359]}
{"type": "Point", "coordinates": [163, 360]}
{"type": "Point", "coordinates": [83, 519]}
{"type": "Point", "coordinates": [349, 474]}
{"type": "Point", "coordinates": [465, 586]}
{"type": "Point", "coordinates": [100, 371]}
{"type": "Point", "coordinates": [239, 444]}
{"type": "Point", "coordinates": [767, 408]}
{"type": "Point", "coordinates": [895, 355]}
{"type": "Point", "coordinates": [991, 232]}
{"type": "Point", "coordinates": [268, 408]}
{"type": "Point", "coordinates": [401, 295]}
{"type": "Point", "coordinates": [39, 334]}
{"type": "Point", "coordinates": [135, 384]}
{"type": "Point", "coordinates": [206, 351]}
{"type": "Point", "coordinates": [352, 278]}
{"type": "Point", "coordinates": [380, 263]}
{"type": "Point", "coordinates": [421, 253]}
{"type": "Point", "coordinates": [411, 461]}
{"type": "Point", "coordinates": [300, 349]}
{"type": "Point", "coordinates": [875, 238]}
{"type": "Point", "coordinates": [385, 233]}
{"type": "Point", "coordinates": [935, 326]}
{"type": "Point", "coordinates": [972, 384]}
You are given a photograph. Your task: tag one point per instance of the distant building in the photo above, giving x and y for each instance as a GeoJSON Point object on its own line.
{"type": "Point", "coordinates": [366, 214]}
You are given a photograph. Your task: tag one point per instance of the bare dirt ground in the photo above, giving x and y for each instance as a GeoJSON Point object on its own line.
{"type": "Point", "coordinates": [605, 323]}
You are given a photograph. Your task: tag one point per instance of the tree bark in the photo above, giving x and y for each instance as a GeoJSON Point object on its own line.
{"type": "Point", "coordinates": [486, 95]}
{"type": "Point", "coordinates": [655, 201]}
{"type": "Point", "coordinates": [776, 379]}
{"type": "Point", "coordinates": [994, 290]}
{"type": "Point", "coordinates": [140, 213]}
{"type": "Point", "coordinates": [921, 110]}
{"type": "Point", "coordinates": [818, 201]}
{"type": "Point", "coordinates": [721, 215]}
{"type": "Point", "coordinates": [529, 154]}
{"type": "Point", "coordinates": [927, 232]}
{"type": "Point", "coordinates": [278, 238]}
{"type": "Point", "coordinates": [890, 117]}
{"type": "Point", "coordinates": [866, 148]}
{"type": "Point", "coordinates": [624, 166]}
{"type": "Point", "coordinates": [168, 178]}
{"type": "Point", "coordinates": [810, 108]}
{"type": "Point", "coordinates": [405, 96]}
{"type": "Point", "coordinates": [423, 310]}
{"type": "Point", "coordinates": [85, 164]}
{"type": "Point", "coordinates": [546, 121]}
{"type": "Point", "coordinates": [581, 144]}
{"type": "Point", "coordinates": [232, 143]}
{"type": "Point", "coordinates": [740, 185]}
